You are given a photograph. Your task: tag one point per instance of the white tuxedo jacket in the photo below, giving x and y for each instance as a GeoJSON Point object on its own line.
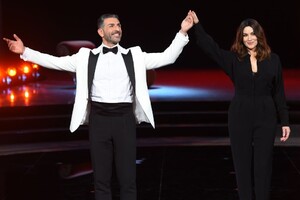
{"type": "Point", "coordinates": [78, 63]}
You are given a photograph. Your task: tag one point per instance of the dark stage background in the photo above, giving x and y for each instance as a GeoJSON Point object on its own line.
{"type": "Point", "coordinates": [150, 24]}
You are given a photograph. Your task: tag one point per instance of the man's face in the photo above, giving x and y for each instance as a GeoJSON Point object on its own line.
{"type": "Point", "coordinates": [111, 31]}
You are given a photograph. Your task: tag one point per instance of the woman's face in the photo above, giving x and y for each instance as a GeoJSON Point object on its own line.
{"type": "Point", "coordinates": [249, 38]}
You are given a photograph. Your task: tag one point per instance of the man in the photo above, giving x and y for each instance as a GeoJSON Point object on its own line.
{"type": "Point", "coordinates": [111, 95]}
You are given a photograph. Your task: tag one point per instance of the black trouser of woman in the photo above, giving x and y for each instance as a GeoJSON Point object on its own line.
{"type": "Point", "coordinates": [112, 131]}
{"type": "Point", "coordinates": [252, 128]}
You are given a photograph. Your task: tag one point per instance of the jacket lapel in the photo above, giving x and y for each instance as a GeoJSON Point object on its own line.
{"type": "Point", "coordinates": [91, 70]}
{"type": "Point", "coordinates": [129, 66]}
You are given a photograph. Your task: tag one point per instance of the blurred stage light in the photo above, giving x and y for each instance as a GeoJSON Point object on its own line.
{"type": "Point", "coordinates": [18, 74]}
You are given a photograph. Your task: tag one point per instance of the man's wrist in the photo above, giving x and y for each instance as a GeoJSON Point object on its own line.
{"type": "Point", "coordinates": [183, 32]}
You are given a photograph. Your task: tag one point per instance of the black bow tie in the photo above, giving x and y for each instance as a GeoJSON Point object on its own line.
{"type": "Point", "coordinates": [114, 50]}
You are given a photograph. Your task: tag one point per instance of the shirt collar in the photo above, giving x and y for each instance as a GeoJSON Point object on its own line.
{"type": "Point", "coordinates": [99, 49]}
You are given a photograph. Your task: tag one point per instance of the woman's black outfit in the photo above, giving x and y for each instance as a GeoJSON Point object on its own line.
{"type": "Point", "coordinates": [252, 118]}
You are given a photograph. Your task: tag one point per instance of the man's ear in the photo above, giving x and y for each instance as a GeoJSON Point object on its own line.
{"type": "Point", "coordinates": [100, 32]}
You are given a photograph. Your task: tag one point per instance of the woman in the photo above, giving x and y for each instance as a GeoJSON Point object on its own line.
{"type": "Point", "coordinates": [259, 98]}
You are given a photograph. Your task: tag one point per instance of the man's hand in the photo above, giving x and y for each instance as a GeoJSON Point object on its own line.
{"type": "Point", "coordinates": [187, 23]}
{"type": "Point", "coordinates": [16, 45]}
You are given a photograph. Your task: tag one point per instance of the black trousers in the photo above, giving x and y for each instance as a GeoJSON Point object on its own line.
{"type": "Point", "coordinates": [252, 130]}
{"type": "Point", "coordinates": [112, 134]}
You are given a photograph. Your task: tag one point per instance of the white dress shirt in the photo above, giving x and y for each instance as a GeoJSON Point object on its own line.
{"type": "Point", "coordinates": [111, 82]}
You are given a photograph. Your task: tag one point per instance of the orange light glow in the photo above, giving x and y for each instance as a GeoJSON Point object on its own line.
{"type": "Point", "coordinates": [19, 74]}
{"type": "Point", "coordinates": [26, 69]}
{"type": "Point", "coordinates": [11, 71]}
{"type": "Point", "coordinates": [12, 97]}
{"type": "Point", "coordinates": [35, 66]}
{"type": "Point", "coordinates": [26, 94]}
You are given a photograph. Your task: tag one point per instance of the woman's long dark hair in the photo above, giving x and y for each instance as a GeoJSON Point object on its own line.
{"type": "Point", "coordinates": [263, 50]}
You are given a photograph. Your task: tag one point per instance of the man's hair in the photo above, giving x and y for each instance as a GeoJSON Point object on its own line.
{"type": "Point", "coordinates": [101, 19]}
